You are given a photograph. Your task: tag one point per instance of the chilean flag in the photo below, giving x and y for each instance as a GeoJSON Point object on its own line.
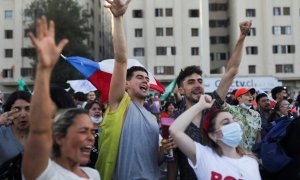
{"type": "Point", "coordinates": [99, 74]}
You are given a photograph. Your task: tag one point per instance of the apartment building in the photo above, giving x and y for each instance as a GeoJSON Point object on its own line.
{"type": "Point", "coordinates": [168, 35]}
{"type": "Point", "coordinates": [15, 45]}
{"type": "Point", "coordinates": [272, 48]}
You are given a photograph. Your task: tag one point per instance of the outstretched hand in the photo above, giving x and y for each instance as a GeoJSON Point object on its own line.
{"type": "Point", "coordinates": [245, 27]}
{"type": "Point", "coordinates": [117, 7]}
{"type": "Point", "coordinates": [206, 101]}
{"type": "Point", "coordinates": [44, 42]}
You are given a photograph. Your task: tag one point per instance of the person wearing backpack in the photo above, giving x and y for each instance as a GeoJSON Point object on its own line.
{"type": "Point", "coordinates": [273, 156]}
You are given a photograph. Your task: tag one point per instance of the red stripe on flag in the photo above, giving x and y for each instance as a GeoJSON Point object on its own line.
{"type": "Point", "coordinates": [101, 81]}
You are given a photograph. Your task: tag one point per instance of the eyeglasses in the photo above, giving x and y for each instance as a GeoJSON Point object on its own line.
{"type": "Point", "coordinates": [286, 106]}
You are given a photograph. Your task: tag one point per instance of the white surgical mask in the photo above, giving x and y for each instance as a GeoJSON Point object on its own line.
{"type": "Point", "coordinates": [232, 134]}
{"type": "Point", "coordinates": [96, 120]}
{"type": "Point", "coordinates": [243, 105]}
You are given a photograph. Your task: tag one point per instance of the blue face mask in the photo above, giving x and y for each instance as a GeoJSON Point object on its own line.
{"type": "Point", "coordinates": [232, 134]}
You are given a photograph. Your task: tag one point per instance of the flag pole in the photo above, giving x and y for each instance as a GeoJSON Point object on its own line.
{"type": "Point", "coordinates": [64, 57]}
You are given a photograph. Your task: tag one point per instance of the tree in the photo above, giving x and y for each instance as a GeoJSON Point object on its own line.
{"type": "Point", "coordinates": [71, 23]}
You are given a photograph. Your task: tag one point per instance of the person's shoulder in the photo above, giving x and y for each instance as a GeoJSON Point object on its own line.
{"type": "Point", "coordinates": [92, 173]}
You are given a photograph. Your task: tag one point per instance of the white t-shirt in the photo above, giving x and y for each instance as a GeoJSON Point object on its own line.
{"type": "Point", "coordinates": [209, 165]}
{"type": "Point", "coordinates": [56, 172]}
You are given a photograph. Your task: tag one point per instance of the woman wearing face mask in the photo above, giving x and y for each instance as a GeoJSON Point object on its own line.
{"type": "Point", "coordinates": [220, 157]}
{"type": "Point", "coordinates": [96, 111]}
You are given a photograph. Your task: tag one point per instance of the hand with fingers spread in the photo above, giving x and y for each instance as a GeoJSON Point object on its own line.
{"type": "Point", "coordinates": [117, 7]}
{"type": "Point", "coordinates": [245, 27]}
{"type": "Point", "coordinates": [44, 42]}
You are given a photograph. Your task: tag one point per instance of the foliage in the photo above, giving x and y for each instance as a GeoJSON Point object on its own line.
{"type": "Point", "coordinates": [71, 23]}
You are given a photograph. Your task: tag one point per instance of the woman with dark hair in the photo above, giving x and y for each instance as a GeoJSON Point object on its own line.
{"type": "Point", "coordinates": [281, 109]}
{"type": "Point", "coordinates": [96, 111]}
{"type": "Point", "coordinates": [220, 157]}
{"type": "Point", "coordinates": [168, 110]}
{"type": "Point", "coordinates": [70, 138]}
{"type": "Point", "coordinates": [13, 135]}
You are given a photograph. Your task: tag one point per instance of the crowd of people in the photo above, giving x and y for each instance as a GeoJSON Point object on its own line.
{"type": "Point", "coordinates": [51, 134]}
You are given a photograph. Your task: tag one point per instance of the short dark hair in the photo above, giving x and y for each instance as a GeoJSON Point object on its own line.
{"type": "Point", "coordinates": [133, 69]}
{"type": "Point", "coordinates": [24, 95]}
{"type": "Point", "coordinates": [276, 90]}
{"type": "Point", "coordinates": [61, 98]}
{"type": "Point", "coordinates": [187, 71]}
{"type": "Point", "coordinates": [80, 96]}
{"type": "Point", "coordinates": [259, 96]}
{"type": "Point", "coordinates": [89, 105]}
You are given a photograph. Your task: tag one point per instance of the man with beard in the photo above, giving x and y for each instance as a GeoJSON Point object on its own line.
{"type": "Point", "coordinates": [264, 109]}
{"type": "Point", "coordinates": [248, 118]}
{"type": "Point", "coordinates": [190, 85]}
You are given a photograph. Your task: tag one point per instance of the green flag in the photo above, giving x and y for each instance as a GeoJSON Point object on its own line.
{"type": "Point", "coordinates": [168, 90]}
{"type": "Point", "coordinates": [22, 85]}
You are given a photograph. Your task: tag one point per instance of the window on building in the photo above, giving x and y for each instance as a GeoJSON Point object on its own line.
{"type": "Point", "coordinates": [25, 72]}
{"type": "Point", "coordinates": [252, 69]}
{"type": "Point", "coordinates": [164, 70]}
{"type": "Point", "coordinates": [137, 13]}
{"type": "Point", "coordinates": [26, 31]}
{"type": "Point", "coordinates": [195, 32]}
{"type": "Point", "coordinates": [251, 50]}
{"type": "Point", "coordinates": [252, 32]}
{"type": "Point", "coordinates": [27, 15]}
{"type": "Point", "coordinates": [194, 51]}
{"type": "Point", "coordinates": [283, 49]}
{"type": "Point", "coordinates": [212, 56]}
{"type": "Point", "coordinates": [8, 14]}
{"type": "Point", "coordinates": [7, 73]}
{"type": "Point", "coordinates": [28, 52]}
{"type": "Point", "coordinates": [286, 11]}
{"type": "Point", "coordinates": [218, 23]}
{"type": "Point", "coordinates": [221, 56]}
{"type": "Point", "coordinates": [219, 39]}
{"type": "Point", "coordinates": [276, 30]}
{"type": "Point", "coordinates": [138, 51]}
{"type": "Point", "coordinates": [218, 7]}
{"type": "Point", "coordinates": [161, 51]}
{"type": "Point", "coordinates": [159, 12]}
{"type": "Point", "coordinates": [138, 32]}
{"type": "Point", "coordinates": [169, 31]}
{"type": "Point", "coordinates": [8, 53]}
{"type": "Point", "coordinates": [159, 31]}
{"type": "Point", "coordinates": [8, 34]}
{"type": "Point", "coordinates": [284, 68]}
{"type": "Point", "coordinates": [287, 30]}
{"type": "Point", "coordinates": [276, 11]}
{"type": "Point", "coordinates": [169, 12]}
{"type": "Point", "coordinates": [194, 13]}
{"type": "Point", "coordinates": [250, 13]}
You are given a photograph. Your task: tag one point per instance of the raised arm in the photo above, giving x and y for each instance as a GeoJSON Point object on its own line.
{"type": "Point", "coordinates": [182, 140]}
{"type": "Point", "coordinates": [39, 143]}
{"type": "Point", "coordinates": [234, 61]}
{"type": "Point", "coordinates": [118, 80]}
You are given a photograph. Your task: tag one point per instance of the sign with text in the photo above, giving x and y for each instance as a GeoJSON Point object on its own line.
{"type": "Point", "coordinates": [263, 83]}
